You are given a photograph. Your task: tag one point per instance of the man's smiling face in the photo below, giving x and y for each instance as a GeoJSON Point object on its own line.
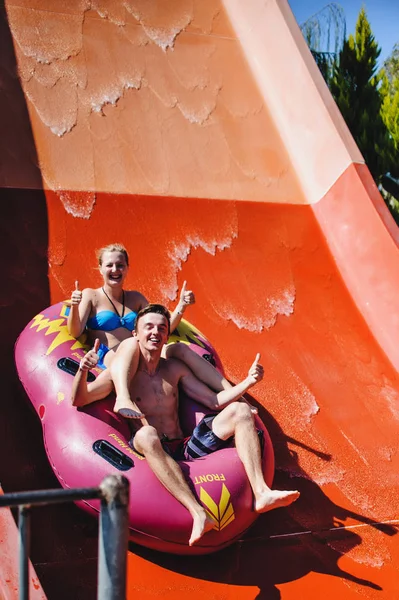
{"type": "Point", "coordinates": [152, 331]}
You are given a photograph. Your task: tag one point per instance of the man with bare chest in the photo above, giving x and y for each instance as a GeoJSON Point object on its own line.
{"type": "Point", "coordinates": [155, 390]}
{"type": "Point", "coordinates": [156, 394]}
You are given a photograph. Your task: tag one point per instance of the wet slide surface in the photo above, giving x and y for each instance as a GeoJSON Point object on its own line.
{"type": "Point", "coordinates": [178, 147]}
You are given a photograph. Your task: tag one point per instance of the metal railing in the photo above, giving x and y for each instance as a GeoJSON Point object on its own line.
{"type": "Point", "coordinates": [113, 531]}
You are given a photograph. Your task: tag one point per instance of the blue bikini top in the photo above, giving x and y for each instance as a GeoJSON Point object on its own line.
{"type": "Point", "coordinates": [106, 320]}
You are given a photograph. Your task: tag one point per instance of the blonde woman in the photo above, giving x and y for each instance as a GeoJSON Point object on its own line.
{"type": "Point", "coordinates": [108, 313]}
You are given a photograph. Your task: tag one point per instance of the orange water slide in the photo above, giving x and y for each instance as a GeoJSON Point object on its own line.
{"type": "Point", "coordinates": [201, 135]}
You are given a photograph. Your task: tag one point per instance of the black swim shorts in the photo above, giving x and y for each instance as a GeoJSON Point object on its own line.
{"type": "Point", "coordinates": [202, 442]}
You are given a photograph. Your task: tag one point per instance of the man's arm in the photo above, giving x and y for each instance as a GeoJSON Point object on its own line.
{"type": "Point", "coordinates": [84, 393]}
{"type": "Point", "coordinates": [216, 401]}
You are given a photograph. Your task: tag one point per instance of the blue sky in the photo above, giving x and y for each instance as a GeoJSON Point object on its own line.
{"type": "Point", "coordinates": [383, 16]}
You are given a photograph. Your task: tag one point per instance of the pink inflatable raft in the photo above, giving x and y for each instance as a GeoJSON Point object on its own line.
{"type": "Point", "coordinates": [84, 445]}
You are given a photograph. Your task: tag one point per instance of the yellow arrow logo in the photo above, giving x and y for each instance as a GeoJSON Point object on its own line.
{"type": "Point", "coordinates": [222, 513]}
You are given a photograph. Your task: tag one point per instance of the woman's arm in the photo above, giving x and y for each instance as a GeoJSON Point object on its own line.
{"type": "Point", "coordinates": [186, 298]}
{"type": "Point", "coordinates": [135, 300]}
{"type": "Point", "coordinates": [81, 305]}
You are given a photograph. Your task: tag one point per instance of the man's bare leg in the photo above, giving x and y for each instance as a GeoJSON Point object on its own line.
{"type": "Point", "coordinates": [237, 419]}
{"type": "Point", "coordinates": [123, 367]}
{"type": "Point", "coordinates": [170, 475]}
{"type": "Point", "coordinates": [201, 368]}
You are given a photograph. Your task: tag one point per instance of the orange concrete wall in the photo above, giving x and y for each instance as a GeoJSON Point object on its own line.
{"type": "Point", "coordinates": [116, 105]}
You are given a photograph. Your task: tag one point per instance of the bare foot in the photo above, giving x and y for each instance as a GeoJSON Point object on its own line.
{"type": "Point", "coordinates": [126, 408]}
{"type": "Point", "coordinates": [271, 499]}
{"type": "Point", "coordinates": [202, 524]}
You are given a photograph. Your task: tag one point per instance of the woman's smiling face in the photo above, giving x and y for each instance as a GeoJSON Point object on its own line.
{"type": "Point", "coordinates": [113, 268]}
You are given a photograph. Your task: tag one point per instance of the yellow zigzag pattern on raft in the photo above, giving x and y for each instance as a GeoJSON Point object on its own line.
{"type": "Point", "coordinates": [187, 334]}
{"type": "Point", "coordinates": [40, 322]}
{"type": "Point", "coordinates": [223, 513]}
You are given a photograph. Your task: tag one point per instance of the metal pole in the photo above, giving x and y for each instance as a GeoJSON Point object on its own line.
{"type": "Point", "coordinates": [113, 538]}
{"type": "Point", "coordinates": [24, 551]}
{"type": "Point", "coordinates": [49, 496]}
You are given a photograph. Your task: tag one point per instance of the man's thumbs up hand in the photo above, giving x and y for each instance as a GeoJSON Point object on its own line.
{"type": "Point", "coordinates": [90, 360]}
{"type": "Point", "coordinates": [255, 372]}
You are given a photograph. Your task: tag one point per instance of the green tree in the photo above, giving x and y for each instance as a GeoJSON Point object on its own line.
{"type": "Point", "coordinates": [391, 64]}
{"type": "Point", "coordinates": [355, 87]}
{"type": "Point", "coordinates": [390, 113]}
{"type": "Point", "coordinates": [390, 103]}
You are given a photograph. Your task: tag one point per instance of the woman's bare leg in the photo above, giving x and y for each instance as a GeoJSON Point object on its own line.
{"type": "Point", "coordinates": [199, 366]}
{"type": "Point", "coordinates": [123, 368]}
